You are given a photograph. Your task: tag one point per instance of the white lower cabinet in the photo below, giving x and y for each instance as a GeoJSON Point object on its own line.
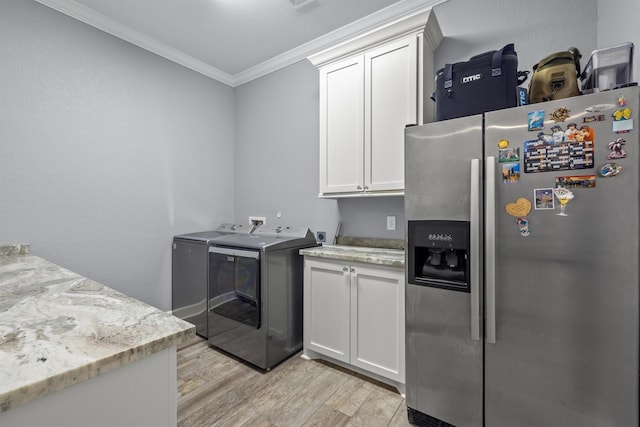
{"type": "Point", "coordinates": [354, 314]}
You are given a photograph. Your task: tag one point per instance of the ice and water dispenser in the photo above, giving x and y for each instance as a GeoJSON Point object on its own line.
{"type": "Point", "coordinates": [439, 254]}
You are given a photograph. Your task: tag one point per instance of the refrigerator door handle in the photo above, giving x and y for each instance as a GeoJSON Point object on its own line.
{"type": "Point", "coordinates": [474, 279]}
{"type": "Point", "coordinates": [490, 249]}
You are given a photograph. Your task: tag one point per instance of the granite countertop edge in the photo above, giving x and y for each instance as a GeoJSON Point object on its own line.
{"type": "Point", "coordinates": [378, 256]}
{"type": "Point", "coordinates": [28, 282]}
{"type": "Point", "coordinates": [29, 392]}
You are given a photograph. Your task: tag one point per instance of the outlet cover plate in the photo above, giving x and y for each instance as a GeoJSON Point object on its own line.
{"type": "Point", "coordinates": [258, 218]}
{"type": "Point", "coordinates": [391, 222]}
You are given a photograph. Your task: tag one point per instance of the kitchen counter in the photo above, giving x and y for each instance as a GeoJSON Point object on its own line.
{"type": "Point", "coordinates": [58, 328]}
{"type": "Point", "coordinates": [379, 256]}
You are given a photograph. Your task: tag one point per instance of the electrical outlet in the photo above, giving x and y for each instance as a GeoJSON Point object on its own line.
{"type": "Point", "coordinates": [391, 222]}
{"type": "Point", "coordinates": [321, 236]}
{"type": "Point", "coordinates": [257, 220]}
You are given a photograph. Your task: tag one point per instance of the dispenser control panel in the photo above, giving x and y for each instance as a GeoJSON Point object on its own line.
{"type": "Point", "coordinates": [438, 254]}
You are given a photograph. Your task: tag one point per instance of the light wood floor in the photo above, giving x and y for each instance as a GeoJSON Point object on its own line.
{"type": "Point", "coordinates": [216, 390]}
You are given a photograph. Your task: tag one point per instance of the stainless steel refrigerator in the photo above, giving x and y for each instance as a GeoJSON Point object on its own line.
{"type": "Point", "coordinates": [521, 312]}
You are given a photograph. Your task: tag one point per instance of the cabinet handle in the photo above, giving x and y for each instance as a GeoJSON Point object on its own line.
{"type": "Point", "coordinates": [345, 269]}
{"type": "Point", "coordinates": [366, 187]}
{"type": "Point", "coordinates": [353, 270]}
{"type": "Point", "coordinates": [359, 187]}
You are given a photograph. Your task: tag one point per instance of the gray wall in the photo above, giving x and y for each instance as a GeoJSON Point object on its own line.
{"type": "Point", "coordinates": [277, 154]}
{"type": "Point", "coordinates": [106, 150]}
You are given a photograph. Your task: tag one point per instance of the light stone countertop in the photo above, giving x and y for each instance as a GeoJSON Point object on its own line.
{"type": "Point", "coordinates": [58, 328]}
{"type": "Point", "coordinates": [380, 256]}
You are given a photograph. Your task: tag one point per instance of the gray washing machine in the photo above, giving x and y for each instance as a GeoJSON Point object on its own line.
{"type": "Point", "coordinates": [189, 270]}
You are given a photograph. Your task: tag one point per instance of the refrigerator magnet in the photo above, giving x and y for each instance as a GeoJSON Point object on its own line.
{"type": "Point", "coordinates": [535, 120]}
{"type": "Point", "coordinates": [596, 118]}
{"type": "Point", "coordinates": [609, 170]}
{"type": "Point", "coordinates": [511, 173]}
{"type": "Point", "coordinates": [622, 114]}
{"type": "Point", "coordinates": [520, 208]}
{"type": "Point", "coordinates": [617, 149]}
{"type": "Point", "coordinates": [543, 198]}
{"type": "Point", "coordinates": [523, 225]}
{"type": "Point", "coordinates": [576, 181]}
{"type": "Point", "coordinates": [560, 114]}
{"type": "Point", "coordinates": [563, 195]}
{"type": "Point", "coordinates": [511, 154]}
{"type": "Point", "coordinates": [599, 107]}
{"type": "Point", "coordinates": [622, 126]}
{"type": "Point", "coordinates": [622, 121]}
{"type": "Point", "coordinates": [621, 100]}
{"type": "Point", "coordinates": [502, 144]}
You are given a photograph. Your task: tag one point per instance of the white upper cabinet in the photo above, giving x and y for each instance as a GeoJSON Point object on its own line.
{"type": "Point", "coordinates": [390, 103]}
{"type": "Point", "coordinates": [370, 89]}
{"type": "Point", "coordinates": [342, 126]}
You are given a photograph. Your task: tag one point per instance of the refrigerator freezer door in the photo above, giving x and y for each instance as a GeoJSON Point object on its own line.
{"type": "Point", "coordinates": [444, 338]}
{"type": "Point", "coordinates": [566, 294]}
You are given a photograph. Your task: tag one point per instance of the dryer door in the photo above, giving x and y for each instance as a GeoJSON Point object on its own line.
{"type": "Point", "coordinates": [234, 284]}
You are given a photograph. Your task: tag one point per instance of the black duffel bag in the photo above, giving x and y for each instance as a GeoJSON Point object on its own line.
{"type": "Point", "coordinates": [486, 82]}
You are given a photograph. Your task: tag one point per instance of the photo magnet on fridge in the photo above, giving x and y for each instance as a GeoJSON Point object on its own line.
{"type": "Point", "coordinates": [511, 173]}
{"type": "Point", "coordinates": [535, 120]}
{"type": "Point", "coordinates": [511, 154]}
{"type": "Point", "coordinates": [543, 198]}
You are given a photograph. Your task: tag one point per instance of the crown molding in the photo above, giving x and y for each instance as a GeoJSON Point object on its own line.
{"type": "Point", "coordinates": [404, 26]}
{"type": "Point", "coordinates": [417, 11]}
{"type": "Point", "coordinates": [401, 10]}
{"type": "Point", "coordinates": [89, 16]}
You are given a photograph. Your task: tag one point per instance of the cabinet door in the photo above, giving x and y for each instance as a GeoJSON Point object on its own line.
{"type": "Point", "coordinates": [391, 98]}
{"type": "Point", "coordinates": [326, 308]}
{"type": "Point", "coordinates": [342, 126]}
{"type": "Point", "coordinates": [377, 321]}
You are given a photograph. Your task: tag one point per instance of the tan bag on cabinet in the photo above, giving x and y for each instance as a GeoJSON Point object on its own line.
{"type": "Point", "coordinates": [555, 76]}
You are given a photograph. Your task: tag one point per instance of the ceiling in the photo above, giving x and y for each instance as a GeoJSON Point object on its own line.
{"type": "Point", "coordinates": [235, 41]}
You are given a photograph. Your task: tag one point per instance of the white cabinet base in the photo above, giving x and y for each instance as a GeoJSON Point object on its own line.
{"type": "Point", "coordinates": [311, 355]}
{"type": "Point", "coordinates": [354, 317]}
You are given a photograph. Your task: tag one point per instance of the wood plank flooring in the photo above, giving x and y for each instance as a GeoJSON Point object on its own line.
{"type": "Point", "coordinates": [216, 390]}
